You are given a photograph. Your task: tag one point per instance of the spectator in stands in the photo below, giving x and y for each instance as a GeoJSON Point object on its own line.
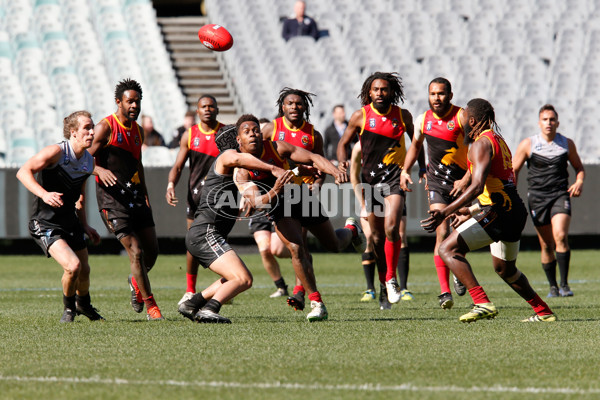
{"type": "Point", "coordinates": [151, 135]}
{"type": "Point", "coordinates": [188, 121]}
{"type": "Point", "coordinates": [300, 24]}
{"type": "Point", "coordinates": [334, 132]}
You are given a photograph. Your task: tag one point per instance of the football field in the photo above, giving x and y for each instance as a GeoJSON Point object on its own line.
{"type": "Point", "coordinates": [416, 350]}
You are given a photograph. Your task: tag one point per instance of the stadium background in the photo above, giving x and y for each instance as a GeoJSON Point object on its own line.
{"type": "Point", "coordinates": [57, 56]}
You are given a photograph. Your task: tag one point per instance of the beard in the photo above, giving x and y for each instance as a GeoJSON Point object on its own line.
{"type": "Point", "coordinates": [468, 139]}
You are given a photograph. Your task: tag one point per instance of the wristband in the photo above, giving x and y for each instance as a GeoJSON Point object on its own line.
{"type": "Point", "coordinates": [421, 170]}
{"type": "Point", "coordinates": [405, 173]}
{"type": "Point", "coordinates": [170, 185]}
{"type": "Point", "coordinates": [474, 209]}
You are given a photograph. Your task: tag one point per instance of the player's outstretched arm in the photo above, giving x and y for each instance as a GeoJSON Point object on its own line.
{"type": "Point", "coordinates": [300, 155]}
{"type": "Point", "coordinates": [354, 127]}
{"type": "Point", "coordinates": [230, 159]}
{"type": "Point", "coordinates": [177, 169]}
{"type": "Point", "coordinates": [576, 188]}
{"type": "Point", "coordinates": [521, 155]}
{"type": "Point", "coordinates": [47, 156]}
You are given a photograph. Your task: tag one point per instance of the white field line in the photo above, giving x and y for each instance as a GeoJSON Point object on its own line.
{"type": "Point", "coordinates": [407, 387]}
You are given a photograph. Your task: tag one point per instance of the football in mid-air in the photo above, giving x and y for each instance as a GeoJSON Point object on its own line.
{"type": "Point", "coordinates": [215, 37]}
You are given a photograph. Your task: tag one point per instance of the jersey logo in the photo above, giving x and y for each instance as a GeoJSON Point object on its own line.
{"type": "Point", "coordinates": [196, 142]}
{"type": "Point", "coordinates": [137, 141]}
{"type": "Point", "coordinates": [450, 125]}
{"type": "Point", "coordinates": [395, 123]}
{"type": "Point", "coordinates": [371, 122]}
{"type": "Point", "coordinates": [208, 137]}
{"type": "Point", "coordinates": [281, 136]}
{"type": "Point", "coordinates": [428, 127]}
{"type": "Point", "coordinates": [538, 147]}
{"type": "Point", "coordinates": [119, 137]}
{"type": "Point", "coordinates": [305, 140]}
{"type": "Point", "coordinates": [293, 134]}
{"type": "Point", "coordinates": [66, 160]}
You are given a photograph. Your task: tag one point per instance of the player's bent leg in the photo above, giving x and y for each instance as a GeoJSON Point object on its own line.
{"type": "Point", "coordinates": [149, 243]}
{"type": "Point", "coordinates": [71, 265]}
{"type": "Point", "coordinates": [263, 241]}
{"type": "Point", "coordinates": [278, 249]}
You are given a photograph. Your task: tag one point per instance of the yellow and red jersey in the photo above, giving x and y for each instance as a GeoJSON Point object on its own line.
{"type": "Point", "coordinates": [303, 137]}
{"type": "Point", "coordinates": [500, 182]}
{"type": "Point", "coordinates": [203, 152]}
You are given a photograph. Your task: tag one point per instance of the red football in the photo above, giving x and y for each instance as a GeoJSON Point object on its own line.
{"type": "Point", "coordinates": [215, 37]}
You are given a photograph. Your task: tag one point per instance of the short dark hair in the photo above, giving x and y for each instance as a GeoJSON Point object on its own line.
{"type": "Point", "coordinates": [226, 138]}
{"type": "Point", "coordinates": [396, 88]}
{"type": "Point", "coordinates": [71, 122]}
{"type": "Point", "coordinates": [442, 81]}
{"type": "Point", "coordinates": [245, 118]}
{"type": "Point", "coordinates": [208, 96]}
{"type": "Point", "coordinates": [125, 85]}
{"type": "Point", "coordinates": [337, 106]}
{"type": "Point", "coordinates": [548, 107]}
{"type": "Point", "coordinates": [190, 114]}
{"type": "Point", "coordinates": [264, 120]}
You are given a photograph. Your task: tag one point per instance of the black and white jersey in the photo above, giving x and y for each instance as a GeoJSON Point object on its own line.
{"type": "Point", "coordinates": [67, 176]}
{"type": "Point", "coordinates": [547, 164]}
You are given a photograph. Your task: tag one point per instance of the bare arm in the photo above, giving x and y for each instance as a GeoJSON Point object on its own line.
{"type": "Point", "coordinates": [81, 215]}
{"type": "Point", "coordinates": [300, 155]}
{"type": "Point", "coordinates": [177, 169]}
{"type": "Point", "coordinates": [354, 126]}
{"type": "Point", "coordinates": [230, 159]}
{"type": "Point", "coordinates": [318, 149]}
{"type": "Point", "coordinates": [47, 156]}
{"type": "Point", "coordinates": [250, 191]}
{"type": "Point", "coordinates": [521, 155]}
{"type": "Point", "coordinates": [355, 169]}
{"type": "Point", "coordinates": [481, 154]}
{"type": "Point", "coordinates": [576, 188]}
{"type": "Point", "coordinates": [414, 152]}
{"type": "Point", "coordinates": [101, 135]}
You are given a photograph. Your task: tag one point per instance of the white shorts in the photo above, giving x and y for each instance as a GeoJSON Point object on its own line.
{"type": "Point", "coordinates": [476, 237]}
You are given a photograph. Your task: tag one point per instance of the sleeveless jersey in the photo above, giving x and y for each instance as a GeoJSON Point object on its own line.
{"type": "Point", "coordinates": [446, 150]}
{"type": "Point", "coordinates": [547, 165]}
{"type": "Point", "coordinates": [499, 190]}
{"type": "Point", "coordinates": [121, 156]}
{"type": "Point", "coordinates": [202, 154]}
{"type": "Point", "coordinates": [218, 203]}
{"type": "Point", "coordinates": [67, 176]}
{"type": "Point", "coordinates": [382, 142]}
{"type": "Point", "coordinates": [303, 137]}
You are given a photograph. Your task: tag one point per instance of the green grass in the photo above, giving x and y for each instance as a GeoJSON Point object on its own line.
{"type": "Point", "coordinates": [272, 352]}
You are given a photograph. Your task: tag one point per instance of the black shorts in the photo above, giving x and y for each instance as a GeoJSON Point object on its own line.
{"type": "Point", "coordinates": [379, 192]}
{"type": "Point", "coordinates": [192, 204]}
{"type": "Point", "coordinates": [260, 223]}
{"type": "Point", "coordinates": [305, 213]}
{"type": "Point", "coordinates": [45, 235]}
{"type": "Point", "coordinates": [437, 196]}
{"type": "Point", "coordinates": [543, 207]}
{"type": "Point", "coordinates": [501, 225]}
{"type": "Point", "coordinates": [206, 244]}
{"type": "Point", "coordinates": [121, 223]}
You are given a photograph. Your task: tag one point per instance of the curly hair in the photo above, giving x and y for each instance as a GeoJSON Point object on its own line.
{"type": "Point", "coordinates": [71, 122]}
{"type": "Point", "coordinates": [125, 85]}
{"type": "Point", "coordinates": [396, 87]}
{"type": "Point", "coordinates": [305, 96]}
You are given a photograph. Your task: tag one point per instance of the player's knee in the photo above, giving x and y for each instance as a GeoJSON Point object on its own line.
{"type": "Point", "coordinates": [391, 233]}
{"type": "Point", "coordinates": [296, 250]}
{"type": "Point", "coordinates": [561, 238]}
{"type": "Point", "coordinates": [245, 280]}
{"type": "Point", "coordinates": [73, 268]}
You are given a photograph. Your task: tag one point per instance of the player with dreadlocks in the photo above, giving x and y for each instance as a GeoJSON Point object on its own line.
{"type": "Point", "coordinates": [381, 124]}
{"type": "Point", "coordinates": [496, 219]}
{"type": "Point", "coordinates": [292, 126]}
{"type": "Point", "coordinates": [123, 200]}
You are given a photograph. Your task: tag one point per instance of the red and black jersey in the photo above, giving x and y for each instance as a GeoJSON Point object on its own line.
{"type": "Point", "coordinates": [382, 142]}
{"type": "Point", "coordinates": [270, 156]}
{"type": "Point", "coordinates": [499, 190]}
{"type": "Point", "coordinates": [203, 152]}
{"type": "Point", "coordinates": [121, 155]}
{"type": "Point", "coordinates": [446, 150]}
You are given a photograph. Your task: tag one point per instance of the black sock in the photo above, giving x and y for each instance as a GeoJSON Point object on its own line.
{"type": "Point", "coordinates": [280, 283]}
{"type": "Point", "coordinates": [213, 305]}
{"type": "Point", "coordinates": [69, 302]}
{"type": "Point", "coordinates": [83, 301]}
{"type": "Point", "coordinates": [198, 300]}
{"type": "Point", "coordinates": [550, 270]}
{"type": "Point", "coordinates": [368, 263]}
{"type": "Point", "coordinates": [563, 260]}
{"type": "Point", "coordinates": [403, 267]}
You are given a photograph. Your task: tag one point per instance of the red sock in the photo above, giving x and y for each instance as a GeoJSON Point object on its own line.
{"type": "Point", "coordinates": [191, 282]}
{"type": "Point", "coordinates": [352, 229]}
{"type": "Point", "coordinates": [150, 302]}
{"type": "Point", "coordinates": [138, 294]}
{"type": "Point", "coordinates": [381, 276]}
{"type": "Point", "coordinates": [315, 296]}
{"type": "Point", "coordinates": [478, 295]}
{"type": "Point", "coordinates": [392, 253]}
{"type": "Point", "coordinates": [443, 273]}
{"type": "Point", "coordinates": [298, 288]}
{"type": "Point", "coordinates": [539, 306]}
